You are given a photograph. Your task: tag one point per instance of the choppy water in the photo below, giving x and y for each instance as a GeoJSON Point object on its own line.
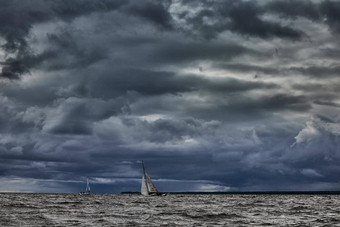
{"type": "Point", "coordinates": [171, 210]}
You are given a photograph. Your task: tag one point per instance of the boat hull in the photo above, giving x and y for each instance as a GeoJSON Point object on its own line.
{"type": "Point", "coordinates": [156, 194]}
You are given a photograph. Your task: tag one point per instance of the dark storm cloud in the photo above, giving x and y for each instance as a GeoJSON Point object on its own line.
{"type": "Point", "coordinates": [158, 83]}
{"type": "Point", "coordinates": [183, 52]}
{"type": "Point", "coordinates": [281, 101]}
{"type": "Point", "coordinates": [227, 93]}
{"type": "Point", "coordinates": [243, 12]}
{"type": "Point", "coordinates": [324, 11]}
{"type": "Point", "coordinates": [233, 85]}
{"type": "Point", "coordinates": [17, 18]}
{"type": "Point", "coordinates": [306, 160]}
{"type": "Point", "coordinates": [9, 118]}
{"type": "Point", "coordinates": [75, 115]}
{"type": "Point", "coordinates": [24, 16]}
{"type": "Point", "coordinates": [167, 130]}
{"type": "Point", "coordinates": [325, 118]}
{"type": "Point", "coordinates": [162, 51]}
{"type": "Point", "coordinates": [330, 10]}
{"type": "Point", "coordinates": [13, 68]}
{"type": "Point", "coordinates": [142, 81]}
{"type": "Point", "coordinates": [319, 88]}
{"type": "Point", "coordinates": [154, 11]}
{"type": "Point", "coordinates": [246, 17]}
{"type": "Point", "coordinates": [243, 17]}
{"type": "Point", "coordinates": [64, 45]}
{"type": "Point", "coordinates": [259, 159]}
{"type": "Point", "coordinates": [320, 140]}
{"type": "Point", "coordinates": [318, 72]}
{"type": "Point", "coordinates": [326, 103]}
{"type": "Point", "coordinates": [70, 9]}
{"type": "Point", "coordinates": [241, 108]}
{"type": "Point", "coordinates": [226, 106]}
{"type": "Point", "coordinates": [294, 9]}
{"type": "Point", "coordinates": [249, 68]}
{"type": "Point", "coordinates": [331, 53]}
{"type": "Point", "coordinates": [39, 12]}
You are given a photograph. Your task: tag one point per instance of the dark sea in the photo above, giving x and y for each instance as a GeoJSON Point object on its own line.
{"type": "Point", "coordinates": [172, 210]}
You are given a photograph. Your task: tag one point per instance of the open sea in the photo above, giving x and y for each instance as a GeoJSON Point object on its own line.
{"type": "Point", "coordinates": [21, 209]}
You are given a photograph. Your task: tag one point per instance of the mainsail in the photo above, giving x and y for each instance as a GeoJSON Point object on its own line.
{"type": "Point", "coordinates": [88, 189]}
{"type": "Point", "coordinates": [147, 187]}
{"type": "Point", "coordinates": [144, 189]}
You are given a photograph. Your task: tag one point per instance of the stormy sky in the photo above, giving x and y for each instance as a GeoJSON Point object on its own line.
{"type": "Point", "coordinates": [212, 95]}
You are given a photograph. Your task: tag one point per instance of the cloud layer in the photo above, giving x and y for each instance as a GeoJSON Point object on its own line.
{"type": "Point", "coordinates": [211, 95]}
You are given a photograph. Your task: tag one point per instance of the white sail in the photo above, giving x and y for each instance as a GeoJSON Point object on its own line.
{"type": "Point", "coordinates": [151, 186]}
{"type": "Point", "coordinates": [144, 189]}
{"type": "Point", "coordinates": [87, 190]}
{"type": "Point", "coordinates": [147, 187]}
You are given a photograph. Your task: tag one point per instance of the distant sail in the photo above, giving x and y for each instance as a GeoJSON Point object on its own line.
{"type": "Point", "coordinates": [88, 189]}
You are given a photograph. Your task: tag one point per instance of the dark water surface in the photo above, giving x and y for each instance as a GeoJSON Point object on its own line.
{"type": "Point", "coordinates": [171, 210]}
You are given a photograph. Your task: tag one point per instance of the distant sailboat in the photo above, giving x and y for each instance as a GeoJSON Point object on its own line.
{"type": "Point", "coordinates": [87, 189]}
{"type": "Point", "coordinates": [148, 188]}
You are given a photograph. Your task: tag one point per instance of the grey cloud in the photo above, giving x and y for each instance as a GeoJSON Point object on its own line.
{"type": "Point", "coordinates": [329, 10]}
{"type": "Point", "coordinates": [323, 11]}
{"type": "Point", "coordinates": [242, 17]}
{"type": "Point", "coordinates": [326, 103]}
{"type": "Point", "coordinates": [236, 17]}
{"type": "Point", "coordinates": [33, 95]}
{"type": "Point", "coordinates": [169, 130]}
{"type": "Point", "coordinates": [249, 68]}
{"type": "Point", "coordinates": [319, 91]}
{"type": "Point", "coordinates": [156, 12]}
{"type": "Point", "coordinates": [68, 10]}
{"type": "Point", "coordinates": [64, 45]}
{"type": "Point", "coordinates": [320, 140]}
{"type": "Point", "coordinates": [318, 71]}
{"type": "Point", "coordinates": [17, 19]}
{"type": "Point", "coordinates": [153, 11]}
{"type": "Point", "coordinates": [298, 103]}
{"type": "Point", "coordinates": [332, 53]}
{"type": "Point", "coordinates": [325, 118]}
{"type": "Point", "coordinates": [233, 85]}
{"type": "Point", "coordinates": [10, 119]}
{"type": "Point", "coordinates": [243, 167]}
{"type": "Point", "coordinates": [294, 9]}
{"type": "Point", "coordinates": [13, 68]}
{"type": "Point", "coordinates": [147, 82]}
{"type": "Point", "coordinates": [243, 12]}
{"type": "Point", "coordinates": [244, 107]}
{"type": "Point", "coordinates": [75, 115]}
{"type": "Point", "coordinates": [226, 107]}
{"type": "Point", "coordinates": [113, 82]}
{"type": "Point", "coordinates": [177, 52]}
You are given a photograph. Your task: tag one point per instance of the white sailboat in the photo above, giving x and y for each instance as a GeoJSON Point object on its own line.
{"type": "Point", "coordinates": [147, 187]}
{"type": "Point", "coordinates": [87, 189]}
